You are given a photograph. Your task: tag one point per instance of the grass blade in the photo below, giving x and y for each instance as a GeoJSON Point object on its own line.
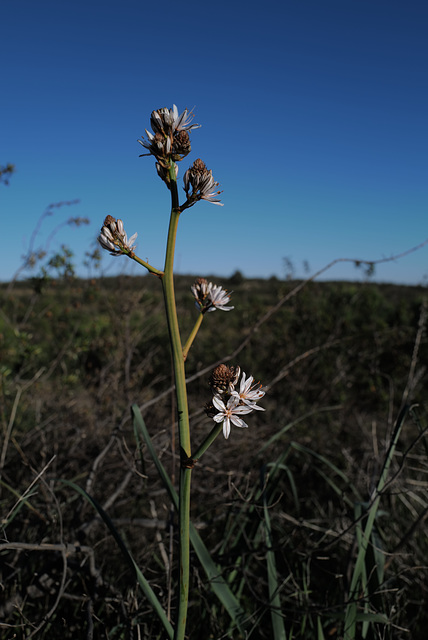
{"type": "Point", "coordinates": [320, 633]}
{"type": "Point", "coordinates": [278, 628]}
{"type": "Point", "coordinates": [144, 585]}
{"type": "Point", "coordinates": [364, 539]}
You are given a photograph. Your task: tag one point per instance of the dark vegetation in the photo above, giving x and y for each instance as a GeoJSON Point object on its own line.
{"type": "Point", "coordinates": [339, 359]}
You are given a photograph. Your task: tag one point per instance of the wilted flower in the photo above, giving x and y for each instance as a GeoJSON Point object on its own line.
{"type": "Point", "coordinates": [170, 138]}
{"type": "Point", "coordinates": [202, 183]}
{"type": "Point", "coordinates": [200, 290]}
{"type": "Point", "coordinates": [114, 239]}
{"type": "Point", "coordinates": [168, 121]}
{"type": "Point", "coordinates": [229, 413]}
{"type": "Point", "coordinates": [218, 299]}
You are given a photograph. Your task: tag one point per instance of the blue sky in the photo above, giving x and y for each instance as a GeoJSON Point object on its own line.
{"type": "Point", "coordinates": [313, 114]}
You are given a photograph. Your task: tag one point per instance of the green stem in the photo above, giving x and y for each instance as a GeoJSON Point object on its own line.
{"type": "Point", "coordinates": [184, 519]}
{"type": "Point", "coordinates": [182, 409]}
{"type": "Point", "coordinates": [208, 441]}
{"type": "Point", "coordinates": [192, 335]}
{"type": "Point", "coordinates": [148, 266]}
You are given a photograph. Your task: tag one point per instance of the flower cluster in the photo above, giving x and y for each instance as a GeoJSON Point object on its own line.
{"type": "Point", "coordinates": [170, 138]}
{"type": "Point", "coordinates": [228, 403]}
{"type": "Point", "coordinates": [114, 239]}
{"type": "Point", "coordinates": [209, 296]}
{"type": "Point", "coordinates": [203, 185]}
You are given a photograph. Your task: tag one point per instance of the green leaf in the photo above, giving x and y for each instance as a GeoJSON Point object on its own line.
{"type": "Point", "coordinates": [320, 633]}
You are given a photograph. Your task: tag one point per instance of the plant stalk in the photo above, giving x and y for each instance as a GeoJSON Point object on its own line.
{"type": "Point", "coordinates": [192, 335]}
{"type": "Point", "coordinates": [182, 409]}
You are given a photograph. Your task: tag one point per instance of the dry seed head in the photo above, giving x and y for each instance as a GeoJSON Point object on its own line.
{"type": "Point", "coordinates": [224, 378]}
{"type": "Point", "coordinates": [181, 145]}
{"type": "Point", "coordinates": [199, 166]}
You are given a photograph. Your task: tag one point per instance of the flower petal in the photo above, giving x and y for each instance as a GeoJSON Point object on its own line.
{"type": "Point", "coordinates": [238, 422]}
{"type": "Point", "coordinates": [226, 428]}
{"type": "Point", "coordinates": [219, 404]}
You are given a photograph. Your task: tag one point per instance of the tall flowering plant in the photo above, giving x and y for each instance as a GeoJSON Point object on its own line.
{"type": "Point", "coordinates": [233, 393]}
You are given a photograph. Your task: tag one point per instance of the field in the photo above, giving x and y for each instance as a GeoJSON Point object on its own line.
{"type": "Point", "coordinates": [345, 370]}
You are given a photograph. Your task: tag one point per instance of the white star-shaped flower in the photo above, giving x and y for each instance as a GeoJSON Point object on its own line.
{"type": "Point", "coordinates": [249, 393]}
{"type": "Point", "coordinates": [182, 122]}
{"type": "Point", "coordinates": [229, 413]}
{"type": "Point", "coordinates": [207, 190]}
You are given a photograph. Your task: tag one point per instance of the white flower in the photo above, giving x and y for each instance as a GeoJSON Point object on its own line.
{"type": "Point", "coordinates": [207, 190]}
{"type": "Point", "coordinates": [114, 239]}
{"type": "Point", "coordinates": [229, 413]}
{"type": "Point", "coordinates": [167, 121]}
{"type": "Point", "coordinates": [106, 240]}
{"type": "Point", "coordinates": [182, 122]}
{"type": "Point", "coordinates": [201, 180]}
{"type": "Point", "coordinates": [209, 296]}
{"type": "Point", "coordinates": [249, 392]}
{"type": "Point", "coordinates": [218, 299]}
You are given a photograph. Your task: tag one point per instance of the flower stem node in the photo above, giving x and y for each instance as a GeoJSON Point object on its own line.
{"type": "Point", "coordinates": [114, 239]}
{"type": "Point", "coordinates": [188, 463]}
